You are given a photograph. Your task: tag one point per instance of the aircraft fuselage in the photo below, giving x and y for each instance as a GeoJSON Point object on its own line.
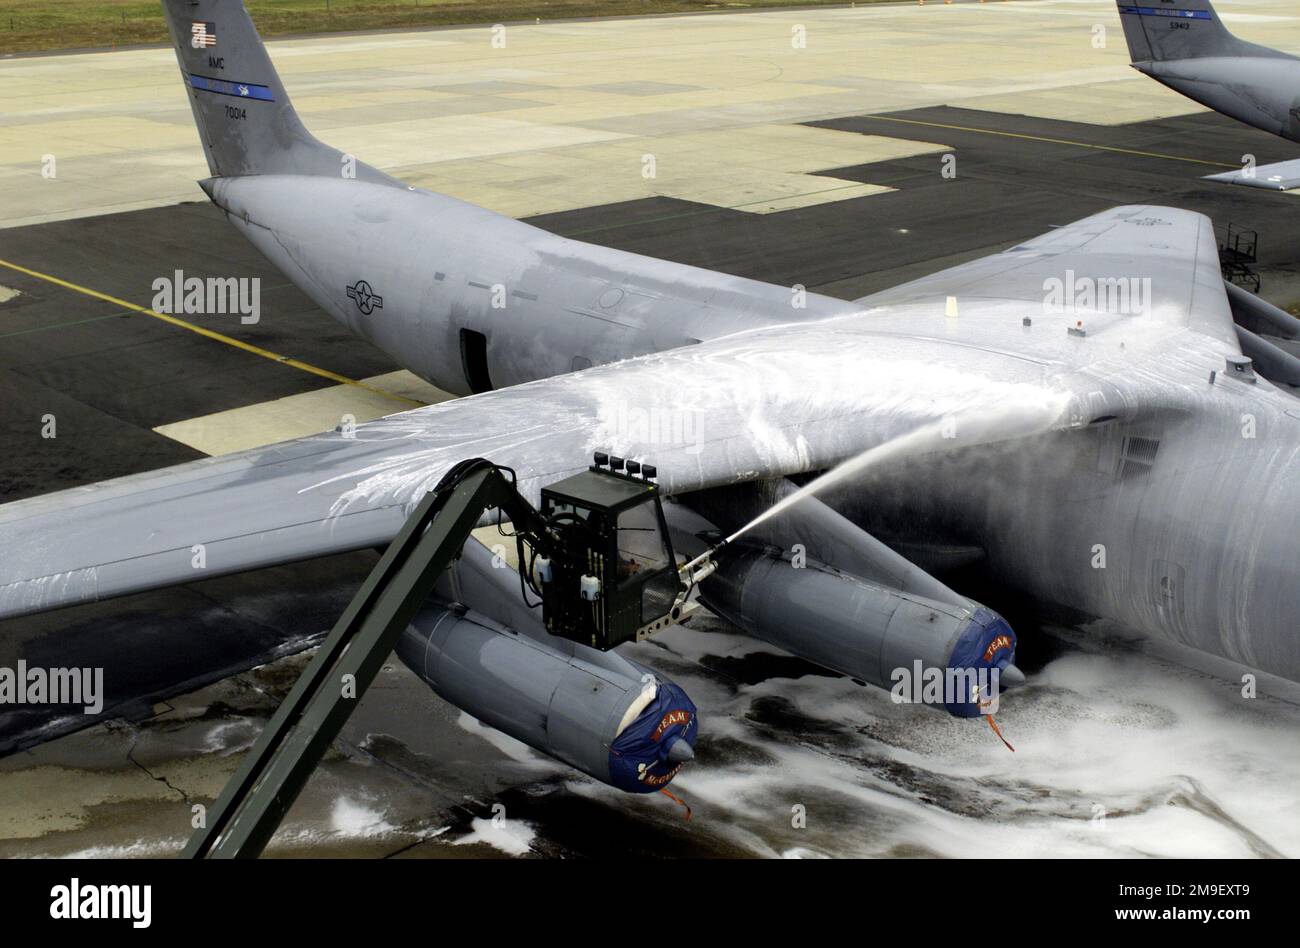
{"type": "Point", "coordinates": [490, 299]}
{"type": "Point", "coordinates": [1184, 525]}
{"type": "Point", "coordinates": [1260, 91]}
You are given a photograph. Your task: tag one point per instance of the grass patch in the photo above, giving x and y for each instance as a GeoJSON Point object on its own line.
{"type": "Point", "coordinates": [41, 25]}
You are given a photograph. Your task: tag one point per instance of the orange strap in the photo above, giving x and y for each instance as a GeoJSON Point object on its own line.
{"type": "Point", "coordinates": [668, 793]}
{"type": "Point", "coordinates": [994, 724]}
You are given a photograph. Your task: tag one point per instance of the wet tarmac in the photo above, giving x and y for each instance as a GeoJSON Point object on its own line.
{"type": "Point", "coordinates": [1118, 752]}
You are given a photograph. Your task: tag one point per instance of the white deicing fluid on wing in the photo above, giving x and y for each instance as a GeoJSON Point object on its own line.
{"type": "Point", "coordinates": [972, 426]}
{"type": "Point", "coordinates": [780, 403]}
{"type": "Point", "coordinates": [56, 589]}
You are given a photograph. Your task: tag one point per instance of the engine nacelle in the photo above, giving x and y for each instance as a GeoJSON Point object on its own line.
{"type": "Point", "coordinates": [929, 651]}
{"type": "Point", "coordinates": [624, 727]}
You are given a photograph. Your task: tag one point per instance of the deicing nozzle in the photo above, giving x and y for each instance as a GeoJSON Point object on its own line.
{"type": "Point", "coordinates": [702, 566]}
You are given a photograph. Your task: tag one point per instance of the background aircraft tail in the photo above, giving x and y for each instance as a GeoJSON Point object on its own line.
{"type": "Point", "coordinates": [245, 119]}
{"type": "Point", "coordinates": [1157, 30]}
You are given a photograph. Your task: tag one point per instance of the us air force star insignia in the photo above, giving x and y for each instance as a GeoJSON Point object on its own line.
{"type": "Point", "coordinates": [365, 298]}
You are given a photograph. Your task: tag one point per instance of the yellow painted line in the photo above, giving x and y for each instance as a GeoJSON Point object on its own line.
{"type": "Point", "coordinates": [1053, 141]}
{"type": "Point", "coordinates": [210, 334]}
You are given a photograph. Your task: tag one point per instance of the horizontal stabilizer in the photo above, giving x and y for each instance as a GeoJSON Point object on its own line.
{"type": "Point", "coordinates": [1281, 176]}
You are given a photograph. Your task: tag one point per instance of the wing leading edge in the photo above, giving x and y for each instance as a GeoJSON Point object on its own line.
{"type": "Point", "coordinates": [1279, 176]}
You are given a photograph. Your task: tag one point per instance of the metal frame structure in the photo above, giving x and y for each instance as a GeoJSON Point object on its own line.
{"type": "Point", "coordinates": [274, 772]}
{"type": "Point", "coordinates": [258, 796]}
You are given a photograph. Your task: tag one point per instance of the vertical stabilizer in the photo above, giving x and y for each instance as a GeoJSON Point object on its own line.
{"type": "Point", "coordinates": [1160, 30]}
{"type": "Point", "coordinates": [245, 119]}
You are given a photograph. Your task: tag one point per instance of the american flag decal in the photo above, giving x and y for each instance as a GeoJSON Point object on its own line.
{"type": "Point", "coordinates": [203, 35]}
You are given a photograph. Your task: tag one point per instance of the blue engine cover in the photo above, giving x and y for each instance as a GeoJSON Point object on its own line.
{"type": "Point", "coordinates": [986, 643]}
{"type": "Point", "coordinates": [638, 758]}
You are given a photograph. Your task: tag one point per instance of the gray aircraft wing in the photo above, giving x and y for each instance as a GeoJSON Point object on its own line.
{"type": "Point", "coordinates": [764, 403]}
{"type": "Point", "coordinates": [1280, 176]}
{"type": "Point", "coordinates": [1129, 274]}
